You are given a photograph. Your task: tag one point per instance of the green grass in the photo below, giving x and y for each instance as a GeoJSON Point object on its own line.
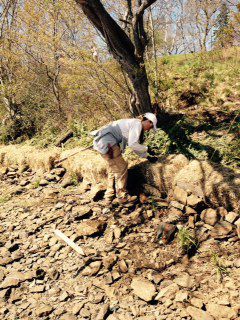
{"type": "Point", "coordinates": [187, 240]}
{"type": "Point", "coordinates": [218, 264]}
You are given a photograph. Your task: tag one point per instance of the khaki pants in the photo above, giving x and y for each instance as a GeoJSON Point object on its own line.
{"type": "Point", "coordinates": [117, 173]}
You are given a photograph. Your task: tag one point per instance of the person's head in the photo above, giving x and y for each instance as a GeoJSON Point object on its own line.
{"type": "Point", "coordinates": [149, 121]}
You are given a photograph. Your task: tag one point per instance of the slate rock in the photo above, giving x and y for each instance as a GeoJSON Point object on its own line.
{"type": "Point", "coordinates": [221, 230]}
{"type": "Point", "coordinates": [143, 288]}
{"type": "Point", "coordinates": [91, 227]}
{"type": "Point", "coordinates": [231, 217]}
{"type": "Point", "coordinates": [220, 311]}
{"type": "Point", "coordinates": [198, 314]}
{"type": "Point", "coordinates": [168, 292]}
{"type": "Point", "coordinates": [180, 195]}
{"type": "Point", "coordinates": [44, 310]}
{"type": "Point", "coordinates": [209, 216]}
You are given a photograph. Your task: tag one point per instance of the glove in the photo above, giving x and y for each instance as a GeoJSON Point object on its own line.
{"type": "Point", "coordinates": [152, 159]}
{"type": "Point", "coordinates": [151, 151]}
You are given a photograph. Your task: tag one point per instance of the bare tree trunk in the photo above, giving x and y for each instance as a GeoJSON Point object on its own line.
{"type": "Point", "coordinates": [155, 57]}
{"type": "Point", "coordinates": [129, 55]}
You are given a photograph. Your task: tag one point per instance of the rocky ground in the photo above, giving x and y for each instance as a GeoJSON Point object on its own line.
{"type": "Point", "coordinates": [130, 266]}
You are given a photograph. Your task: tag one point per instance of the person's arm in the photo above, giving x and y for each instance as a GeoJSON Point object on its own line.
{"type": "Point", "coordinates": [133, 140]}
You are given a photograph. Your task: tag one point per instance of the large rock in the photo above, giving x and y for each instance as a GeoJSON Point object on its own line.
{"type": "Point", "coordinates": [209, 216]}
{"type": "Point", "coordinates": [231, 217]}
{"type": "Point", "coordinates": [185, 281]}
{"type": "Point", "coordinates": [168, 292]}
{"type": "Point", "coordinates": [208, 182]}
{"type": "Point", "coordinates": [198, 314]}
{"type": "Point", "coordinates": [221, 230]}
{"type": "Point", "coordinates": [219, 311]}
{"type": "Point", "coordinates": [91, 227]}
{"type": "Point", "coordinates": [43, 310]}
{"type": "Point", "coordinates": [180, 195]}
{"type": "Point", "coordinates": [143, 288]}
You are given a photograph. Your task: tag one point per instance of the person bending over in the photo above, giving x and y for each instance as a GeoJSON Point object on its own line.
{"type": "Point", "coordinates": [110, 141]}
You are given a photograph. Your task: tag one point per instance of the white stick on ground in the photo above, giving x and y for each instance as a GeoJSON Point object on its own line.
{"type": "Point", "coordinates": [73, 245]}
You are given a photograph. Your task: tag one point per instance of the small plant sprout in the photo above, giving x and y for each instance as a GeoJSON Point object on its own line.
{"type": "Point", "coordinates": [36, 184]}
{"type": "Point", "coordinates": [187, 241]}
{"type": "Point", "coordinates": [74, 179]}
{"type": "Point", "coordinates": [219, 265]}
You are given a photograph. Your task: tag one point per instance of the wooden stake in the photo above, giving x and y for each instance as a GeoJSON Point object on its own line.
{"type": "Point", "coordinates": [73, 245]}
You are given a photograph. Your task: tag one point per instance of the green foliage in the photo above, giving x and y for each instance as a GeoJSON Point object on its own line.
{"type": "Point", "coordinates": [17, 130]}
{"type": "Point", "coordinates": [81, 133]}
{"type": "Point", "coordinates": [45, 138]}
{"type": "Point", "coordinates": [36, 184]}
{"type": "Point", "coordinates": [187, 240]}
{"type": "Point", "coordinates": [74, 179]}
{"type": "Point", "coordinates": [221, 33]}
{"type": "Point", "coordinates": [218, 264]}
{"type": "Point", "coordinates": [159, 142]}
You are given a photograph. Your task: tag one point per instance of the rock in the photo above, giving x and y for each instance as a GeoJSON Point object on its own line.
{"type": "Point", "coordinates": [224, 300]}
{"type": "Point", "coordinates": [220, 311]}
{"type": "Point", "coordinates": [180, 195]}
{"type": "Point", "coordinates": [67, 181]}
{"type": "Point", "coordinates": [191, 222]}
{"type": "Point", "coordinates": [222, 212]}
{"type": "Point", "coordinates": [35, 289]}
{"type": "Point", "coordinates": [91, 227]}
{"type": "Point", "coordinates": [23, 183]}
{"type": "Point", "coordinates": [198, 314]}
{"type": "Point", "coordinates": [190, 211]}
{"type": "Point", "coordinates": [43, 182]}
{"type": "Point", "coordinates": [231, 217]}
{"type": "Point", "coordinates": [198, 303]}
{"type": "Point", "coordinates": [181, 296]}
{"type": "Point", "coordinates": [9, 282]}
{"type": "Point", "coordinates": [68, 316]}
{"type": "Point", "coordinates": [97, 192]}
{"type": "Point", "coordinates": [50, 177]}
{"type": "Point", "coordinates": [193, 200]}
{"type": "Point", "coordinates": [209, 216]}
{"type": "Point", "coordinates": [122, 266]}
{"type": "Point", "coordinates": [143, 288]}
{"type": "Point", "coordinates": [185, 281]}
{"type": "Point", "coordinates": [109, 261]}
{"type": "Point", "coordinates": [92, 269]}
{"type": "Point", "coordinates": [81, 212]}
{"type": "Point", "coordinates": [115, 275]}
{"type": "Point", "coordinates": [237, 263]}
{"type": "Point", "coordinates": [58, 171]}
{"type": "Point", "coordinates": [43, 310]}
{"type": "Point", "coordinates": [117, 232]}
{"type": "Point", "coordinates": [177, 205]}
{"type": "Point", "coordinates": [103, 312]}
{"type": "Point", "coordinates": [221, 230]}
{"type": "Point", "coordinates": [174, 215]}
{"type": "Point", "coordinates": [205, 180]}
{"type": "Point", "coordinates": [59, 205]}
{"type": "Point", "coordinates": [168, 292]}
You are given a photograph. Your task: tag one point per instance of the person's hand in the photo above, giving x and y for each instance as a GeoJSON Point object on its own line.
{"type": "Point", "coordinates": [151, 152]}
{"type": "Point", "coordinates": [152, 159]}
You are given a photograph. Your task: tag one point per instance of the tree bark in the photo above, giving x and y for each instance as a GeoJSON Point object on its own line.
{"type": "Point", "coordinates": [129, 55]}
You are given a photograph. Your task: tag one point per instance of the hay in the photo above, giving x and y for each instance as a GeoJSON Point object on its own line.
{"type": "Point", "coordinates": [218, 185]}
